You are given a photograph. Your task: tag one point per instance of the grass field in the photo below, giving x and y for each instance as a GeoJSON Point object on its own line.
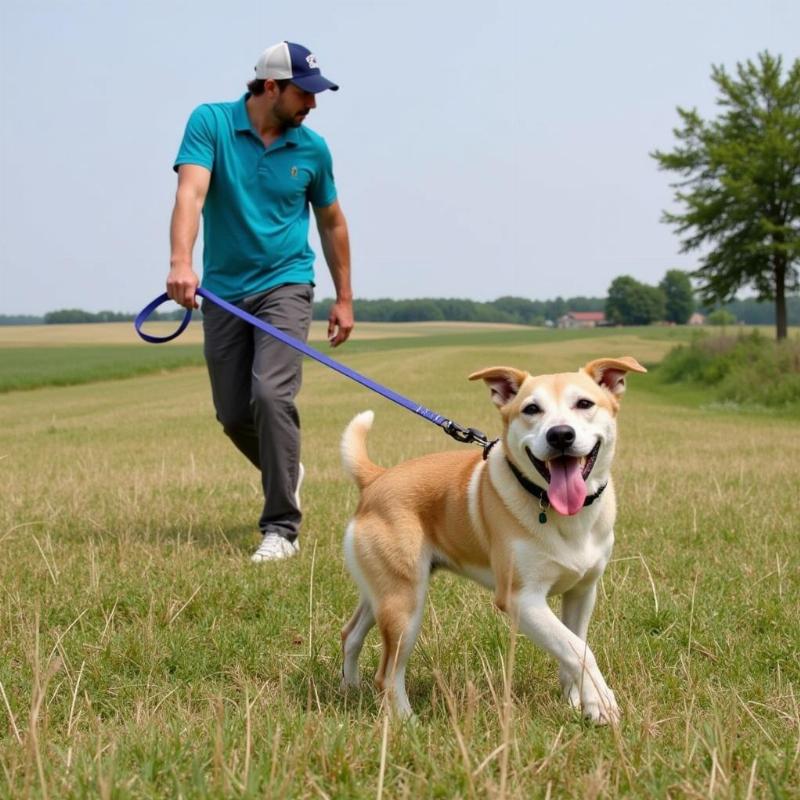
{"type": "Point", "coordinates": [142, 655]}
{"type": "Point", "coordinates": [66, 355]}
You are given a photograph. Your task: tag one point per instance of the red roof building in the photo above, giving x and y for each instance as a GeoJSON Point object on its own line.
{"type": "Point", "coordinates": [581, 319]}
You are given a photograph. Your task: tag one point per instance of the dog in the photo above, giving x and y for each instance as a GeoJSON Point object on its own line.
{"type": "Point", "coordinates": [533, 518]}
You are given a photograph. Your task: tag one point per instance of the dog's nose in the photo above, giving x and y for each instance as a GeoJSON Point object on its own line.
{"type": "Point", "coordinates": [561, 437]}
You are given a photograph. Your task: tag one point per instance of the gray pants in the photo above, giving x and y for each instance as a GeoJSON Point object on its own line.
{"type": "Point", "coordinates": [254, 380]}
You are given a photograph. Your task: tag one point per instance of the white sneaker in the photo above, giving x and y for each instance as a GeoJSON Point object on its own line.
{"type": "Point", "coordinates": [275, 547]}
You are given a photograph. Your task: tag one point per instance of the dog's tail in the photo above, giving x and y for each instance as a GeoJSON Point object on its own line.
{"type": "Point", "coordinates": [354, 450]}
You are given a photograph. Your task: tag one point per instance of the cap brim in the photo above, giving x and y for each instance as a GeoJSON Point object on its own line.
{"type": "Point", "coordinates": [314, 84]}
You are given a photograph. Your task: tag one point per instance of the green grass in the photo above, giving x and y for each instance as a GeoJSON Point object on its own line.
{"type": "Point", "coordinates": [142, 655]}
{"type": "Point", "coordinates": [514, 338]}
{"type": "Point", "coordinates": [33, 367]}
{"type": "Point", "coordinates": [743, 370]}
{"type": "Point", "coordinates": [36, 365]}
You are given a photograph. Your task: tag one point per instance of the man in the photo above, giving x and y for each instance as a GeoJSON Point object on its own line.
{"type": "Point", "coordinates": [253, 171]}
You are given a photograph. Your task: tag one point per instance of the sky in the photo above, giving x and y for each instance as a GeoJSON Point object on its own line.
{"type": "Point", "coordinates": [480, 149]}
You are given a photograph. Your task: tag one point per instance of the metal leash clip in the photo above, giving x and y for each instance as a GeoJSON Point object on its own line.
{"type": "Point", "coordinates": [465, 435]}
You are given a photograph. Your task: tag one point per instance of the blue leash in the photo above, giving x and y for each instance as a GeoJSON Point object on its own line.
{"type": "Point", "coordinates": [451, 428]}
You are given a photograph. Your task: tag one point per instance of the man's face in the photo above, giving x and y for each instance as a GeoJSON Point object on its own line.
{"type": "Point", "coordinates": [293, 105]}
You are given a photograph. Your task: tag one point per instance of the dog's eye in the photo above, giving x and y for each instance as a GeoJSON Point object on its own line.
{"type": "Point", "coordinates": [583, 404]}
{"type": "Point", "coordinates": [531, 409]}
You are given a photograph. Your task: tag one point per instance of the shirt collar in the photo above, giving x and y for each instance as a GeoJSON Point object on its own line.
{"type": "Point", "coordinates": [241, 122]}
{"type": "Point", "coordinates": [241, 119]}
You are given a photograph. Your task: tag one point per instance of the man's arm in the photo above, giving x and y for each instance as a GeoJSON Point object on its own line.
{"type": "Point", "coordinates": [336, 247]}
{"type": "Point", "coordinates": [182, 281]}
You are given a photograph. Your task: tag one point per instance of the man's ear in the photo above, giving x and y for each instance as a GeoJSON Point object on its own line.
{"type": "Point", "coordinates": [610, 372]}
{"type": "Point", "coordinates": [503, 382]}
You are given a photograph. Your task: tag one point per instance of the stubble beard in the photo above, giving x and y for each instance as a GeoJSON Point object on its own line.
{"type": "Point", "coordinates": [289, 120]}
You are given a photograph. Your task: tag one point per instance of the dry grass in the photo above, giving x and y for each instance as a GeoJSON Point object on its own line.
{"type": "Point", "coordinates": [123, 332]}
{"type": "Point", "coordinates": [141, 655]}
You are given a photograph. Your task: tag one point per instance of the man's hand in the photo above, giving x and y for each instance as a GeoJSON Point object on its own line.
{"type": "Point", "coordinates": [340, 322]}
{"type": "Point", "coordinates": [182, 283]}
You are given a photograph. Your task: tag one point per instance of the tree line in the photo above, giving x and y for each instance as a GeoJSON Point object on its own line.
{"type": "Point", "coordinates": [629, 302]}
{"type": "Point", "coordinates": [73, 316]}
{"type": "Point", "coordinates": [515, 310]}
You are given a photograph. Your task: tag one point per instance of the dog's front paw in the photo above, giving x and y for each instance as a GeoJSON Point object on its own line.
{"type": "Point", "coordinates": [599, 704]}
{"type": "Point", "coordinates": [593, 698]}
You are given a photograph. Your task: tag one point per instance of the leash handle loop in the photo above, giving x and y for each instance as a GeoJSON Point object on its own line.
{"type": "Point", "coordinates": [143, 315]}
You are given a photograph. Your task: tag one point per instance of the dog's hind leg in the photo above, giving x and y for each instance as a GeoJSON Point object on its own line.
{"type": "Point", "coordinates": [353, 635]}
{"type": "Point", "coordinates": [399, 618]}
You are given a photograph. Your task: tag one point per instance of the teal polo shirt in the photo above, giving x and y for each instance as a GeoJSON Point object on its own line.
{"type": "Point", "coordinates": [256, 213]}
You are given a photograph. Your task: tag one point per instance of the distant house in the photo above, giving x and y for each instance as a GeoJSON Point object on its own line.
{"type": "Point", "coordinates": [697, 319]}
{"type": "Point", "coordinates": [582, 319]}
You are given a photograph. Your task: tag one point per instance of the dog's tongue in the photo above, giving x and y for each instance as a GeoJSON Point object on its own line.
{"type": "Point", "coordinates": [567, 490]}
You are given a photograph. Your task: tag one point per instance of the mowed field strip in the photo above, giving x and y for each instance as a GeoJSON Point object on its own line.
{"type": "Point", "coordinates": [66, 355]}
{"type": "Point", "coordinates": [142, 655]}
{"type": "Point", "coordinates": [124, 333]}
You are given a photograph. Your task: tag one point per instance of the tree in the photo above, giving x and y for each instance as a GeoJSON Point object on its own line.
{"type": "Point", "coordinates": [677, 290]}
{"type": "Point", "coordinates": [518, 308]}
{"type": "Point", "coordinates": [721, 317]}
{"type": "Point", "coordinates": [740, 185]}
{"type": "Point", "coordinates": [633, 303]}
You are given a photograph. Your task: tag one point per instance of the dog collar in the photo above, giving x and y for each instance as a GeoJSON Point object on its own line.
{"type": "Point", "coordinates": [541, 494]}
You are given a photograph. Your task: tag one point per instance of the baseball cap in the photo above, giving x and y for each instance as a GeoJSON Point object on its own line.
{"type": "Point", "coordinates": [287, 60]}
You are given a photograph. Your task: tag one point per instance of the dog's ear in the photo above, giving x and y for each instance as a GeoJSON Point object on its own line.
{"type": "Point", "coordinates": [610, 372]}
{"type": "Point", "coordinates": [503, 382]}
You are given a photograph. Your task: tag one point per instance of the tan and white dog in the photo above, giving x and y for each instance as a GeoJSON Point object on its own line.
{"type": "Point", "coordinates": [534, 519]}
